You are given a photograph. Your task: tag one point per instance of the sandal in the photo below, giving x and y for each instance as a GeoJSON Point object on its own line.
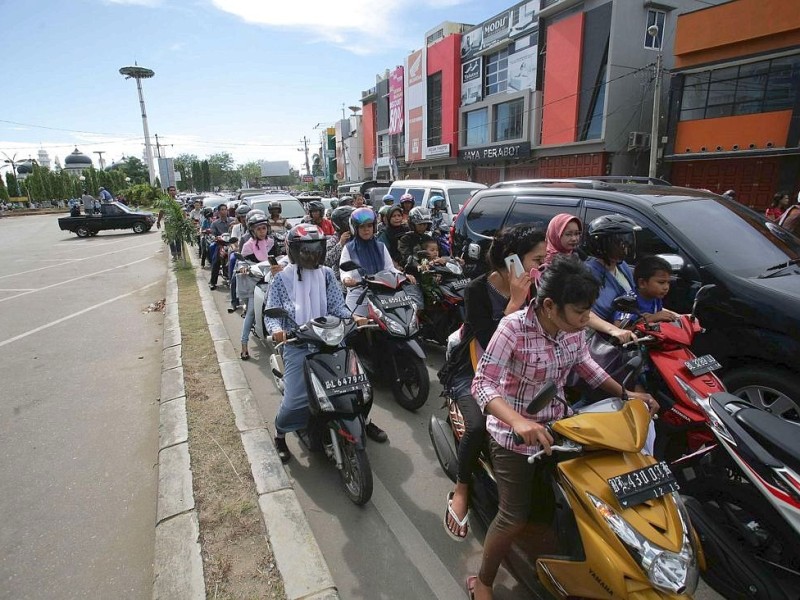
{"type": "Point", "coordinates": [245, 356]}
{"type": "Point", "coordinates": [462, 524]}
{"type": "Point", "coordinates": [470, 586]}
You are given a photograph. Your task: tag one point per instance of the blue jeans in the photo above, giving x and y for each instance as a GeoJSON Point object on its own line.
{"type": "Point", "coordinates": [249, 319]}
{"type": "Point", "coordinates": [293, 412]}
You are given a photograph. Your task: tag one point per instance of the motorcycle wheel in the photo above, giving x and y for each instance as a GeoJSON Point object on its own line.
{"type": "Point", "coordinates": [356, 473]}
{"type": "Point", "coordinates": [757, 528]}
{"type": "Point", "coordinates": [411, 382]}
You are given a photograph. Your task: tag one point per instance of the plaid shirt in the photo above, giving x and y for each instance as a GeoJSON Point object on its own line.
{"type": "Point", "coordinates": [519, 360]}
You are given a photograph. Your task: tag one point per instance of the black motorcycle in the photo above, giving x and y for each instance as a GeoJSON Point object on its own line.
{"type": "Point", "coordinates": [444, 285]}
{"type": "Point", "coordinates": [339, 399]}
{"type": "Point", "coordinates": [390, 350]}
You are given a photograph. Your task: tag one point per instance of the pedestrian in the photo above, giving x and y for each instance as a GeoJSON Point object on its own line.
{"type": "Point", "coordinates": [175, 246]}
{"type": "Point", "coordinates": [780, 202]}
{"type": "Point", "coordinates": [88, 203]}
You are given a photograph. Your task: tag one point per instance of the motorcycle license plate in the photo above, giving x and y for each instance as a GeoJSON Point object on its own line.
{"type": "Point", "coordinates": [643, 484]}
{"type": "Point", "coordinates": [346, 384]}
{"type": "Point", "coordinates": [702, 365]}
{"type": "Point", "coordinates": [460, 284]}
{"type": "Point", "coordinates": [395, 301]}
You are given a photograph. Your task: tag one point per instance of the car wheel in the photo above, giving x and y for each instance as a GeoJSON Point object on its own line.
{"type": "Point", "coordinates": [774, 390]}
{"type": "Point", "coordinates": [83, 231]}
{"type": "Point", "coordinates": [139, 227]}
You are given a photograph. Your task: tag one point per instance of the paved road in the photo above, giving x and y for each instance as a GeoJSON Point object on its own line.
{"type": "Point", "coordinates": [395, 546]}
{"type": "Point", "coordinates": [80, 367]}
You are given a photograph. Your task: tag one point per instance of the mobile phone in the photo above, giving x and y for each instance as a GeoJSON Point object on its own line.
{"type": "Point", "coordinates": [514, 265]}
{"type": "Point", "coordinates": [273, 261]}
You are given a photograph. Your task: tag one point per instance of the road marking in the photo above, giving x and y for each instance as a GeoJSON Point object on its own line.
{"type": "Point", "coordinates": [17, 290]}
{"type": "Point", "coordinates": [52, 285]}
{"type": "Point", "coordinates": [79, 259]}
{"type": "Point", "coordinates": [433, 571]}
{"type": "Point", "coordinates": [77, 314]}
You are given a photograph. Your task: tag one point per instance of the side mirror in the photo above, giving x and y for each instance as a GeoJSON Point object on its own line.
{"type": "Point", "coordinates": [275, 313]}
{"type": "Point", "coordinates": [676, 263]}
{"type": "Point", "coordinates": [422, 255]}
{"type": "Point", "coordinates": [542, 398]}
{"type": "Point", "coordinates": [703, 293]}
{"type": "Point", "coordinates": [626, 303]}
{"type": "Point", "coordinates": [349, 266]}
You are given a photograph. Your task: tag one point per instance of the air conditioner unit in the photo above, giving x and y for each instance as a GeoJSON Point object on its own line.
{"type": "Point", "coordinates": [638, 140]}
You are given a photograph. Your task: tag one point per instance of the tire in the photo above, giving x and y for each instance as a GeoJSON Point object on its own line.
{"type": "Point", "coordinates": [411, 382]}
{"type": "Point", "coordinates": [139, 227]}
{"type": "Point", "coordinates": [356, 473]}
{"type": "Point", "coordinates": [774, 390]}
{"type": "Point", "coordinates": [83, 231]}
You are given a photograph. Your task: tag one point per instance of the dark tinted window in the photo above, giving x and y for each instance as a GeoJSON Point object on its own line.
{"type": "Point", "coordinates": [732, 236]}
{"type": "Point", "coordinates": [648, 240]}
{"type": "Point", "coordinates": [486, 215]}
{"type": "Point", "coordinates": [534, 212]}
{"type": "Point", "coordinates": [113, 211]}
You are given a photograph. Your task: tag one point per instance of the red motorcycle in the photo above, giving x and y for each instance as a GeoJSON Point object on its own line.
{"type": "Point", "coordinates": [676, 378]}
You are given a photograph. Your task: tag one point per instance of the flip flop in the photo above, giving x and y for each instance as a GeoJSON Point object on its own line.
{"type": "Point", "coordinates": [470, 585]}
{"type": "Point", "coordinates": [463, 525]}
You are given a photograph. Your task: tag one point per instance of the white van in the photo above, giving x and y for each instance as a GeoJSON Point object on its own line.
{"type": "Point", "coordinates": [455, 192]}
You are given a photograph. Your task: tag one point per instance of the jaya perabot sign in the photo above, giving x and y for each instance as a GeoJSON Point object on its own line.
{"type": "Point", "coordinates": [490, 153]}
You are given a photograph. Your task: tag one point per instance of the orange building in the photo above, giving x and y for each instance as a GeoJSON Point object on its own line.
{"type": "Point", "coordinates": [734, 118]}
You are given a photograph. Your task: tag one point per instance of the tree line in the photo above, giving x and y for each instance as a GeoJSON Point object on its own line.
{"type": "Point", "coordinates": [220, 171]}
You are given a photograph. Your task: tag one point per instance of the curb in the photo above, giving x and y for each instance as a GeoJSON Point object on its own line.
{"type": "Point", "coordinates": [298, 557]}
{"type": "Point", "coordinates": [177, 565]}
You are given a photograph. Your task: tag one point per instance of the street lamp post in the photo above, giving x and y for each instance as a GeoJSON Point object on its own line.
{"type": "Point", "coordinates": [653, 32]}
{"type": "Point", "coordinates": [138, 73]}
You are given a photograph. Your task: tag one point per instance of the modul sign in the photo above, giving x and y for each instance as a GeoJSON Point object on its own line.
{"type": "Point", "coordinates": [490, 153]}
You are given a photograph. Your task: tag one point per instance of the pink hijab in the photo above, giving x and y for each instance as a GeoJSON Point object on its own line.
{"type": "Point", "coordinates": [554, 232]}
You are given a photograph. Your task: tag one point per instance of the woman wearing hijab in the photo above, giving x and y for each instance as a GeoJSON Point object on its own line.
{"type": "Point", "coordinates": [563, 235]}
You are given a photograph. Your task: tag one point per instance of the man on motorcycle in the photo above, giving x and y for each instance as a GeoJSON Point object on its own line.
{"type": "Point", "coordinates": [340, 218]}
{"type": "Point", "coordinates": [218, 228]}
{"type": "Point", "coordinates": [316, 215]}
{"type": "Point", "coordinates": [419, 221]}
{"type": "Point", "coordinates": [406, 203]}
{"type": "Point", "coordinates": [277, 224]}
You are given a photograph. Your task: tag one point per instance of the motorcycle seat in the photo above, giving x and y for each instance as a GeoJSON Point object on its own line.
{"type": "Point", "coordinates": [778, 436]}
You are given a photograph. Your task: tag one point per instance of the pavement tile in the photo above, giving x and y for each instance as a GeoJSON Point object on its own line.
{"type": "Point", "coordinates": [172, 427]}
{"type": "Point", "coordinates": [248, 416]}
{"type": "Point", "coordinates": [297, 554]}
{"type": "Point", "coordinates": [174, 482]}
{"type": "Point", "coordinates": [225, 351]}
{"type": "Point", "coordinates": [171, 358]}
{"type": "Point", "coordinates": [233, 376]}
{"type": "Point", "coordinates": [178, 567]}
{"type": "Point", "coordinates": [172, 337]}
{"type": "Point", "coordinates": [218, 332]}
{"type": "Point", "coordinates": [172, 384]}
{"type": "Point", "coordinates": [268, 472]}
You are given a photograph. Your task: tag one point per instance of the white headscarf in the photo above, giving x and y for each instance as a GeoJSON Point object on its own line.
{"type": "Point", "coordinates": [310, 294]}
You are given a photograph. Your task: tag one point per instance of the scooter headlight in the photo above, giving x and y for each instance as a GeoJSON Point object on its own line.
{"type": "Point", "coordinates": [324, 402]}
{"type": "Point", "coordinates": [331, 336]}
{"type": "Point", "coordinates": [394, 326]}
{"type": "Point", "coordinates": [671, 572]}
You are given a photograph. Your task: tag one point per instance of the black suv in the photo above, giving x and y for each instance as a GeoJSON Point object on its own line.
{"type": "Point", "coordinates": [753, 316]}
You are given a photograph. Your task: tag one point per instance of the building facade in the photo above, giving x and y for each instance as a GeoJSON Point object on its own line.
{"type": "Point", "coordinates": [734, 112]}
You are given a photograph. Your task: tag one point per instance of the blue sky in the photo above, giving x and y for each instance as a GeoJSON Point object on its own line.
{"type": "Point", "coordinates": [250, 77]}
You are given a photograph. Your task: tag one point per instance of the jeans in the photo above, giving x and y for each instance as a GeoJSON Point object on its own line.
{"type": "Point", "coordinates": [293, 412]}
{"type": "Point", "coordinates": [249, 319]}
{"type": "Point", "coordinates": [474, 428]}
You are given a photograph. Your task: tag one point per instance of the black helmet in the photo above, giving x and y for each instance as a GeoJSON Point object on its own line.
{"type": "Point", "coordinates": [334, 203]}
{"type": "Point", "coordinates": [420, 216]}
{"type": "Point", "coordinates": [612, 236]}
{"type": "Point", "coordinates": [316, 205]}
{"type": "Point", "coordinates": [208, 212]}
{"type": "Point", "coordinates": [346, 201]}
{"type": "Point", "coordinates": [306, 246]}
{"type": "Point", "coordinates": [274, 206]}
{"type": "Point", "coordinates": [341, 218]}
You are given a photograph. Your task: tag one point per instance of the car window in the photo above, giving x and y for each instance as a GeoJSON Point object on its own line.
{"type": "Point", "coordinates": [529, 210]}
{"type": "Point", "coordinates": [434, 192]}
{"type": "Point", "coordinates": [418, 194]}
{"type": "Point", "coordinates": [113, 211]}
{"type": "Point", "coordinates": [458, 197]}
{"type": "Point", "coordinates": [649, 240]}
{"type": "Point", "coordinates": [292, 209]}
{"type": "Point", "coordinates": [486, 215]}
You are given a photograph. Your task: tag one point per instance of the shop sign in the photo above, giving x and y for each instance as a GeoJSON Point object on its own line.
{"type": "Point", "coordinates": [508, 25]}
{"type": "Point", "coordinates": [382, 161]}
{"type": "Point", "coordinates": [440, 150]}
{"type": "Point", "coordinates": [491, 153]}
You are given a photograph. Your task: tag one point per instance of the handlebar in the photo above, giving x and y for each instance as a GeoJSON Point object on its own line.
{"type": "Point", "coordinates": [641, 340]}
{"type": "Point", "coordinates": [557, 448]}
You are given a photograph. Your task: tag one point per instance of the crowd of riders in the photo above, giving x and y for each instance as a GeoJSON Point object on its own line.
{"type": "Point", "coordinates": [526, 320]}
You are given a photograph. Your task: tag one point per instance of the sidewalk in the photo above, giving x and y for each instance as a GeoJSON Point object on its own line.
{"type": "Point", "coordinates": [178, 564]}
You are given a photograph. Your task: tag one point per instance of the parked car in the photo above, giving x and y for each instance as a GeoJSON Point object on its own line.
{"type": "Point", "coordinates": [113, 215]}
{"type": "Point", "coordinates": [753, 318]}
{"type": "Point", "coordinates": [455, 192]}
{"type": "Point", "coordinates": [291, 208]}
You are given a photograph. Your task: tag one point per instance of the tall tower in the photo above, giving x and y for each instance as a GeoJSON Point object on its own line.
{"type": "Point", "coordinates": [138, 73]}
{"type": "Point", "coordinates": [44, 158]}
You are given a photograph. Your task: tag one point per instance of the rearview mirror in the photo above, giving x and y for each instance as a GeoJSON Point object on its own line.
{"type": "Point", "coordinates": [348, 266]}
{"type": "Point", "coordinates": [703, 293]}
{"type": "Point", "coordinates": [542, 399]}
{"type": "Point", "coordinates": [626, 303]}
{"type": "Point", "coordinates": [676, 263]}
{"type": "Point", "coordinates": [275, 313]}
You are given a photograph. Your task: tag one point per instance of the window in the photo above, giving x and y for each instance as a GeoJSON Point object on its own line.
{"type": "Point", "coordinates": [657, 18]}
{"type": "Point", "coordinates": [496, 71]}
{"type": "Point", "coordinates": [418, 194]}
{"type": "Point", "coordinates": [648, 240]}
{"type": "Point", "coordinates": [510, 117]}
{"type": "Point", "coordinates": [384, 145]}
{"type": "Point", "coordinates": [486, 215]}
{"type": "Point", "coordinates": [435, 109]}
{"type": "Point", "coordinates": [476, 124]}
{"type": "Point", "coordinates": [536, 213]}
{"type": "Point", "coordinates": [757, 87]}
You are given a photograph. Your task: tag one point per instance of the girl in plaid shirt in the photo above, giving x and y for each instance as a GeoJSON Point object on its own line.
{"type": "Point", "coordinates": [532, 346]}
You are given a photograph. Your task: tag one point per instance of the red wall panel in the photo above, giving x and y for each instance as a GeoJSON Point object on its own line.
{"type": "Point", "coordinates": [445, 56]}
{"type": "Point", "coordinates": [753, 179]}
{"type": "Point", "coordinates": [562, 78]}
{"type": "Point", "coordinates": [370, 138]}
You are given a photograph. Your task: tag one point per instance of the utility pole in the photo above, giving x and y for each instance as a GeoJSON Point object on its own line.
{"type": "Point", "coordinates": [100, 158]}
{"type": "Point", "coordinates": [304, 150]}
{"type": "Point", "coordinates": [138, 73]}
{"type": "Point", "coordinates": [654, 138]}
{"type": "Point", "coordinates": [158, 147]}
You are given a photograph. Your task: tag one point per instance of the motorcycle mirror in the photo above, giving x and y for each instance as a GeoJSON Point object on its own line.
{"type": "Point", "coordinates": [275, 313]}
{"type": "Point", "coordinates": [542, 398]}
{"type": "Point", "coordinates": [421, 254]}
{"type": "Point", "coordinates": [349, 266]}
{"type": "Point", "coordinates": [703, 293]}
{"type": "Point", "coordinates": [626, 303]}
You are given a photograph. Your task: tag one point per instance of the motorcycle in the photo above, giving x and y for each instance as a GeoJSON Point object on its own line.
{"type": "Point", "coordinates": [390, 351]}
{"type": "Point", "coordinates": [744, 500]}
{"type": "Point", "coordinates": [446, 283]}
{"type": "Point", "coordinates": [675, 377]}
{"type": "Point", "coordinates": [339, 399]}
{"type": "Point", "coordinates": [620, 528]}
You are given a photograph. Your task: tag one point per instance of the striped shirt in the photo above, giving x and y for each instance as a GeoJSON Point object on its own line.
{"type": "Point", "coordinates": [520, 359]}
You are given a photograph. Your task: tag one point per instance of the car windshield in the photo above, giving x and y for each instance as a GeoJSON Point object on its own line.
{"type": "Point", "coordinates": [732, 236]}
{"type": "Point", "coordinates": [459, 197]}
{"type": "Point", "coordinates": [290, 208]}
